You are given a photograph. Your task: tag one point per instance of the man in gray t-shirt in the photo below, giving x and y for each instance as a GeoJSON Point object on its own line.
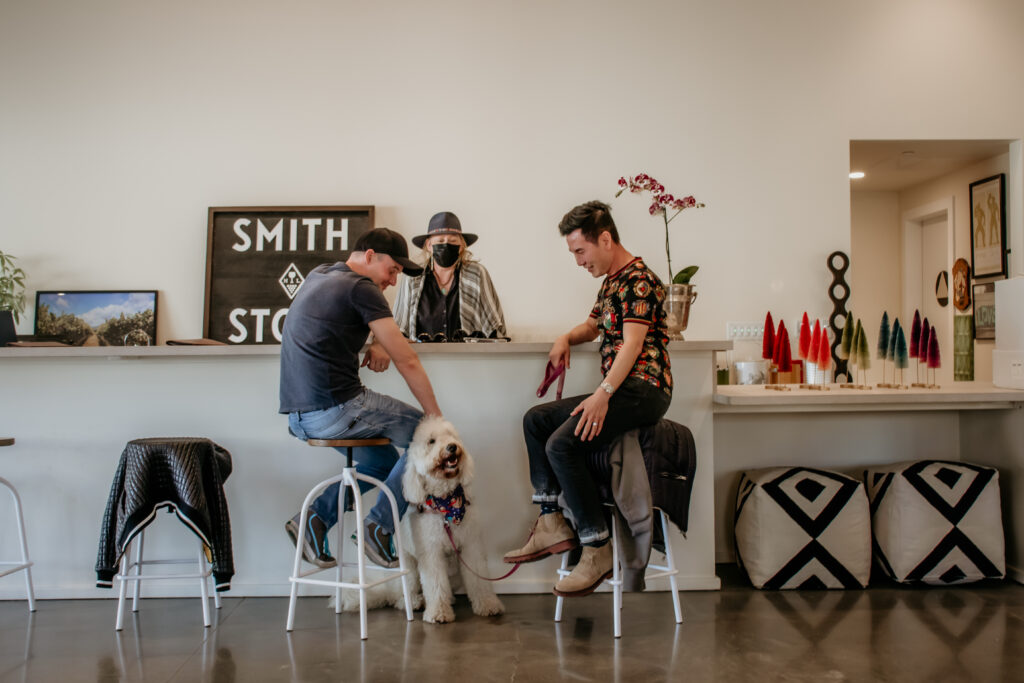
{"type": "Point", "coordinates": [328, 323]}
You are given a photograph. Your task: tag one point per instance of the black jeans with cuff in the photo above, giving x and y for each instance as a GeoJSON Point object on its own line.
{"type": "Point", "coordinates": [558, 457]}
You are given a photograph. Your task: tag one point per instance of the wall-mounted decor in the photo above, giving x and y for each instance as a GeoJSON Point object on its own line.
{"type": "Point", "coordinates": [963, 348]}
{"type": "Point", "coordinates": [988, 226]}
{"type": "Point", "coordinates": [985, 311]}
{"type": "Point", "coordinates": [97, 318]}
{"type": "Point", "coordinates": [942, 288]}
{"type": "Point", "coordinates": [839, 292]}
{"type": "Point", "coordinates": [257, 257]}
{"type": "Point", "coordinates": [961, 284]}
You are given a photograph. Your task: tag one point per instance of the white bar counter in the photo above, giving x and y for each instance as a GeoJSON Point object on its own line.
{"type": "Point", "coordinates": [73, 409]}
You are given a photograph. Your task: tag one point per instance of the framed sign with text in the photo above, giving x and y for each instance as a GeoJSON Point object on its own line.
{"type": "Point", "coordinates": [257, 257]}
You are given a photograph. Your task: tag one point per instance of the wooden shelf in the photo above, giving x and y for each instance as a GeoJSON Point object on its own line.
{"type": "Point", "coordinates": [958, 396]}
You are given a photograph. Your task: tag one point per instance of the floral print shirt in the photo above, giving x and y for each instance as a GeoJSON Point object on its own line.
{"type": "Point", "coordinates": [635, 294]}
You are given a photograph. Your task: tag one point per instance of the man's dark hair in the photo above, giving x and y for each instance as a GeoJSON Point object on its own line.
{"type": "Point", "coordinates": [592, 218]}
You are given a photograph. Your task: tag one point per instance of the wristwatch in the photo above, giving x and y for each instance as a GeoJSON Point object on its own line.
{"type": "Point", "coordinates": [608, 387]}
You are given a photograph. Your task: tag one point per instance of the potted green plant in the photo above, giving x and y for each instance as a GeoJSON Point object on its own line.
{"type": "Point", "coordinates": [12, 292]}
{"type": "Point", "coordinates": [681, 293]}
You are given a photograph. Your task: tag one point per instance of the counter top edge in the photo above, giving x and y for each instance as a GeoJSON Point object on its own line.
{"type": "Point", "coordinates": [239, 350]}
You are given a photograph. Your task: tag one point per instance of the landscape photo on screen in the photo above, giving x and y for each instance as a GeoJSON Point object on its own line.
{"type": "Point", "coordinates": [108, 318]}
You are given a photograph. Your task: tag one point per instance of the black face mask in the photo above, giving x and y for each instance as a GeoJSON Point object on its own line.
{"type": "Point", "coordinates": [445, 255]}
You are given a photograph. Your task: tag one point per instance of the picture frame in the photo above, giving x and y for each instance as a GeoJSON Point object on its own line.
{"type": "Point", "coordinates": [961, 284]}
{"type": "Point", "coordinates": [257, 257]}
{"type": "Point", "coordinates": [988, 226]}
{"type": "Point", "coordinates": [985, 311]}
{"type": "Point", "coordinates": [97, 317]}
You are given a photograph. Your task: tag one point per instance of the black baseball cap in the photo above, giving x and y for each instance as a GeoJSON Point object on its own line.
{"type": "Point", "coordinates": [385, 241]}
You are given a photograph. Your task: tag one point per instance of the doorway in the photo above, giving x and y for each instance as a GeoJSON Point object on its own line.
{"type": "Point", "coordinates": [927, 254]}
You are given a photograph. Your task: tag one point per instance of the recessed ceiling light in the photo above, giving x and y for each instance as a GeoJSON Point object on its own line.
{"type": "Point", "coordinates": [856, 175]}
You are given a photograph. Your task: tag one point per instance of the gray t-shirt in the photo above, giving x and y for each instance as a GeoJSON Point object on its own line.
{"type": "Point", "coordinates": [326, 326]}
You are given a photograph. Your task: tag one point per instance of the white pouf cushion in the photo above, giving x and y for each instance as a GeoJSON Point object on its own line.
{"type": "Point", "coordinates": [936, 522]}
{"type": "Point", "coordinates": [803, 528]}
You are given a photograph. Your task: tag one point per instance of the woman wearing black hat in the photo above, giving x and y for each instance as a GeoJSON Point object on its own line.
{"type": "Point", "coordinates": [454, 297]}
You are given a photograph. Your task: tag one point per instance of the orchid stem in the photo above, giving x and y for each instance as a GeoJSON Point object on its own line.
{"type": "Point", "coordinates": [668, 253]}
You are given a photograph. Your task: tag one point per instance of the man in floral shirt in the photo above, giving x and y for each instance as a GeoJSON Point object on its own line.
{"type": "Point", "coordinates": [635, 392]}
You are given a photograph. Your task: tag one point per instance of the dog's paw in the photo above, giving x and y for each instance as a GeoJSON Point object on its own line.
{"type": "Point", "coordinates": [491, 607]}
{"type": "Point", "coordinates": [416, 600]}
{"type": "Point", "coordinates": [439, 614]}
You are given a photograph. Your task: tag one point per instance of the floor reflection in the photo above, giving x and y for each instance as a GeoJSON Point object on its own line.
{"type": "Point", "coordinates": [737, 634]}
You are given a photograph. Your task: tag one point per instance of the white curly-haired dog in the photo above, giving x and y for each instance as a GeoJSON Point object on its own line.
{"type": "Point", "coordinates": [436, 482]}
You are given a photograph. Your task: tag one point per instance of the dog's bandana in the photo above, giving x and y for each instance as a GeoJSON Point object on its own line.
{"type": "Point", "coordinates": [453, 507]}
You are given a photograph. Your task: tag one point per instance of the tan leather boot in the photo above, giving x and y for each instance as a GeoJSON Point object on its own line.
{"type": "Point", "coordinates": [594, 567]}
{"type": "Point", "coordinates": [550, 535]}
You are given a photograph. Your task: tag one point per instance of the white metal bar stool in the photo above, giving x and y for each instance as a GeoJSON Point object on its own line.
{"type": "Point", "coordinates": [667, 570]}
{"type": "Point", "coordinates": [131, 571]}
{"type": "Point", "coordinates": [349, 479]}
{"type": "Point", "coordinates": [24, 563]}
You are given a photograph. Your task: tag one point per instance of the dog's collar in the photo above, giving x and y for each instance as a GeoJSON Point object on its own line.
{"type": "Point", "coordinates": [453, 506]}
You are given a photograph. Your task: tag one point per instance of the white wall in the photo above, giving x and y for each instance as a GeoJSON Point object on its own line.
{"type": "Point", "coordinates": [876, 262]}
{"type": "Point", "coordinates": [124, 121]}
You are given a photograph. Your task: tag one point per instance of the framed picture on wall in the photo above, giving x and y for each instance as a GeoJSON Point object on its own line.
{"type": "Point", "coordinates": [97, 318]}
{"type": "Point", "coordinates": [988, 226]}
{"type": "Point", "coordinates": [985, 311]}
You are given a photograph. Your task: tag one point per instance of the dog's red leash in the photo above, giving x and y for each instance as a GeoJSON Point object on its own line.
{"type": "Point", "coordinates": [448, 530]}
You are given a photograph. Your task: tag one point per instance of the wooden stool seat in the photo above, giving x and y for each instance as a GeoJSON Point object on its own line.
{"type": "Point", "coordinates": [348, 443]}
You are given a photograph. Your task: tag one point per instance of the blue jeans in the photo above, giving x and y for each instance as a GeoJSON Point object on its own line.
{"type": "Point", "coordinates": [366, 416]}
{"type": "Point", "coordinates": [558, 457]}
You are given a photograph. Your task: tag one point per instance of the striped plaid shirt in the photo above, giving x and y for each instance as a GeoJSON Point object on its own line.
{"type": "Point", "coordinates": [479, 308]}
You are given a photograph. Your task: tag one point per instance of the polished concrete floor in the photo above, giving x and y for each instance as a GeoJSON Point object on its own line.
{"type": "Point", "coordinates": [886, 633]}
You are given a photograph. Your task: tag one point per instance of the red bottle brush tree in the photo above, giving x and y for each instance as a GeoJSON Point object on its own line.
{"type": "Point", "coordinates": [785, 352]}
{"type": "Point", "coordinates": [805, 336]}
{"type": "Point", "coordinates": [768, 338]}
{"type": "Point", "coordinates": [815, 343]}
{"type": "Point", "coordinates": [915, 335]}
{"type": "Point", "coordinates": [824, 359]}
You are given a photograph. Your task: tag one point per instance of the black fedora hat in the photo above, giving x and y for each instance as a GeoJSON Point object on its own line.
{"type": "Point", "coordinates": [444, 223]}
{"type": "Point", "coordinates": [385, 241]}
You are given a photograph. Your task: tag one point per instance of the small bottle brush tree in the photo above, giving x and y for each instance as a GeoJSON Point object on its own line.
{"type": "Point", "coordinates": [783, 354]}
{"type": "Point", "coordinates": [915, 340]}
{"type": "Point", "coordinates": [891, 352]}
{"type": "Point", "coordinates": [863, 354]}
{"type": "Point", "coordinates": [883, 342]}
{"type": "Point", "coordinates": [934, 359]}
{"type": "Point", "coordinates": [922, 353]}
{"type": "Point", "coordinates": [805, 336]}
{"type": "Point", "coordinates": [900, 355]}
{"type": "Point", "coordinates": [768, 338]}
{"type": "Point", "coordinates": [824, 357]}
{"type": "Point", "coordinates": [813, 347]}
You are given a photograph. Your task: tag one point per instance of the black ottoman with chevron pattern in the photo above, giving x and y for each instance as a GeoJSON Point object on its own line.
{"type": "Point", "coordinates": [936, 522]}
{"type": "Point", "coordinates": [798, 527]}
